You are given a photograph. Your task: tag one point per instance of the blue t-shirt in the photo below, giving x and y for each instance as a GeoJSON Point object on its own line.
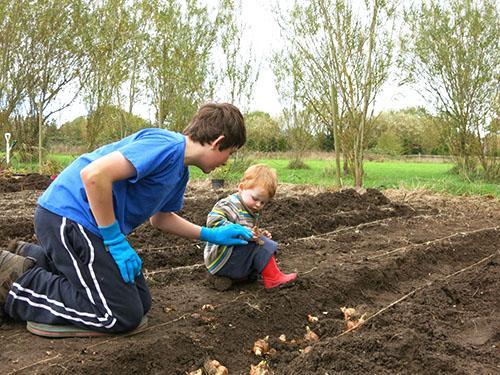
{"type": "Point", "coordinates": [158, 185]}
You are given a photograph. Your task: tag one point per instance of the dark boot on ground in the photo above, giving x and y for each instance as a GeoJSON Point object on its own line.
{"type": "Point", "coordinates": [12, 266]}
{"type": "Point", "coordinates": [272, 277]}
{"type": "Point", "coordinates": [16, 247]}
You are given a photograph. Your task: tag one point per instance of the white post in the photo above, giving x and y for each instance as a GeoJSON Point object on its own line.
{"type": "Point", "coordinates": [7, 147]}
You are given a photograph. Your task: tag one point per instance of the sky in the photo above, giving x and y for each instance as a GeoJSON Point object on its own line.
{"type": "Point", "coordinates": [263, 36]}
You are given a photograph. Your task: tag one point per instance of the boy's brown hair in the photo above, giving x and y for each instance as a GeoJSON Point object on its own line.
{"type": "Point", "coordinates": [262, 176]}
{"type": "Point", "coordinates": [215, 119]}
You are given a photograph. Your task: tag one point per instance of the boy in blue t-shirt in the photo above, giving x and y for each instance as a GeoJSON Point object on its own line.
{"type": "Point", "coordinates": [84, 272]}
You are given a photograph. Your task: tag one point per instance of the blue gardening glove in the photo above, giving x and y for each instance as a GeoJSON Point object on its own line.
{"type": "Point", "coordinates": [125, 257]}
{"type": "Point", "coordinates": [228, 235]}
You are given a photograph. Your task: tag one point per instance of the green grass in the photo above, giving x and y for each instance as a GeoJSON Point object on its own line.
{"type": "Point", "coordinates": [27, 167]}
{"type": "Point", "coordinates": [380, 175]}
{"type": "Point", "coordinates": [63, 158]}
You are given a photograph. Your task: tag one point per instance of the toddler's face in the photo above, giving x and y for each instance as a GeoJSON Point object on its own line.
{"type": "Point", "coordinates": [255, 198]}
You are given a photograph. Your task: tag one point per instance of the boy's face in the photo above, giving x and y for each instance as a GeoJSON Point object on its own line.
{"type": "Point", "coordinates": [215, 158]}
{"type": "Point", "coordinates": [254, 198]}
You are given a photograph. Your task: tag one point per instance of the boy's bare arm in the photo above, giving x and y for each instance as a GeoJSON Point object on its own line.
{"type": "Point", "coordinates": [172, 223]}
{"type": "Point", "coordinates": [98, 178]}
{"type": "Point", "coordinates": [228, 235]}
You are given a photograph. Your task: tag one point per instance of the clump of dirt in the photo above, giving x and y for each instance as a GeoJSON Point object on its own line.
{"type": "Point", "coordinates": [424, 269]}
{"type": "Point", "coordinates": [20, 228]}
{"type": "Point", "coordinates": [17, 182]}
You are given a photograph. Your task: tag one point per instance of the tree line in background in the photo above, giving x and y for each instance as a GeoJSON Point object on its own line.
{"type": "Point", "coordinates": [113, 55]}
{"type": "Point", "coordinates": [335, 58]}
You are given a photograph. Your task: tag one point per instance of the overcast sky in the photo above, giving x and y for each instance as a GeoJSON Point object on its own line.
{"type": "Point", "coordinates": [262, 33]}
{"type": "Point", "coordinates": [265, 37]}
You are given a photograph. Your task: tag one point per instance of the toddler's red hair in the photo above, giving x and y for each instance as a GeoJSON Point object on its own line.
{"type": "Point", "coordinates": [262, 176]}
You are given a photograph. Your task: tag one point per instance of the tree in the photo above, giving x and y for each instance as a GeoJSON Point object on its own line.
{"type": "Point", "coordinates": [72, 133]}
{"type": "Point", "coordinates": [389, 142]}
{"type": "Point", "coordinates": [130, 92]}
{"type": "Point", "coordinates": [408, 131]}
{"type": "Point", "coordinates": [264, 133]}
{"type": "Point", "coordinates": [119, 122]}
{"type": "Point", "coordinates": [105, 32]}
{"type": "Point", "coordinates": [14, 53]}
{"type": "Point", "coordinates": [454, 54]}
{"type": "Point", "coordinates": [54, 59]}
{"type": "Point", "coordinates": [304, 73]}
{"type": "Point", "coordinates": [343, 62]}
{"type": "Point", "coordinates": [297, 120]}
{"type": "Point", "coordinates": [238, 70]}
{"type": "Point", "coordinates": [180, 40]}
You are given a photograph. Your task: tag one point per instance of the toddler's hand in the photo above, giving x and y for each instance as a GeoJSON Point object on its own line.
{"type": "Point", "coordinates": [266, 233]}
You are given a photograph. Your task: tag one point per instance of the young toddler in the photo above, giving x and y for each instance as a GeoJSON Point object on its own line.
{"type": "Point", "coordinates": [241, 262]}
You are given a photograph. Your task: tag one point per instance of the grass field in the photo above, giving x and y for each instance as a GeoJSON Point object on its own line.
{"type": "Point", "coordinates": [434, 176]}
{"type": "Point", "coordinates": [61, 160]}
{"type": "Point", "coordinates": [380, 175]}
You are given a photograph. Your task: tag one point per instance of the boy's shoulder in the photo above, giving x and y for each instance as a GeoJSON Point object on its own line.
{"type": "Point", "coordinates": [162, 140]}
{"type": "Point", "coordinates": [146, 132]}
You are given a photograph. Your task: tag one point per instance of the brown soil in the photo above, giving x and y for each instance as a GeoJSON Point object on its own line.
{"type": "Point", "coordinates": [437, 255]}
{"type": "Point", "coordinates": [16, 182]}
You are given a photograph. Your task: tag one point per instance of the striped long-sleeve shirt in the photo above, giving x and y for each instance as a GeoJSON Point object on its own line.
{"type": "Point", "coordinates": [226, 211]}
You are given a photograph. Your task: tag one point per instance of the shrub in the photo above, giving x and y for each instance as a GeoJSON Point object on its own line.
{"type": "Point", "coordinates": [297, 164]}
{"type": "Point", "coordinates": [234, 168]}
{"type": "Point", "coordinates": [51, 167]}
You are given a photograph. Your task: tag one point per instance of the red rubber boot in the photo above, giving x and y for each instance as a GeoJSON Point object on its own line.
{"type": "Point", "coordinates": [272, 277]}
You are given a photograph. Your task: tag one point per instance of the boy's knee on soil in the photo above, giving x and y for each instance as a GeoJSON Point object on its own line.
{"type": "Point", "coordinates": [128, 317]}
{"type": "Point", "coordinates": [147, 302]}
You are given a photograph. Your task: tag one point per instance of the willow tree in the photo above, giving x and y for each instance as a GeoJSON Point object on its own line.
{"type": "Point", "coordinates": [297, 120]}
{"type": "Point", "coordinates": [105, 31]}
{"type": "Point", "coordinates": [54, 60]}
{"type": "Point", "coordinates": [132, 89]}
{"type": "Point", "coordinates": [178, 59]}
{"type": "Point", "coordinates": [239, 70]}
{"type": "Point", "coordinates": [344, 57]}
{"type": "Point", "coordinates": [14, 53]}
{"type": "Point", "coordinates": [454, 55]}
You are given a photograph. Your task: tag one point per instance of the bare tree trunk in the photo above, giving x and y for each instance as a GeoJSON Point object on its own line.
{"type": "Point", "coordinates": [346, 167]}
{"type": "Point", "coordinates": [123, 119]}
{"type": "Point", "coordinates": [335, 111]}
{"type": "Point", "coordinates": [160, 111]}
{"type": "Point", "coordinates": [359, 146]}
{"type": "Point", "coordinates": [4, 117]}
{"type": "Point", "coordinates": [40, 129]}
